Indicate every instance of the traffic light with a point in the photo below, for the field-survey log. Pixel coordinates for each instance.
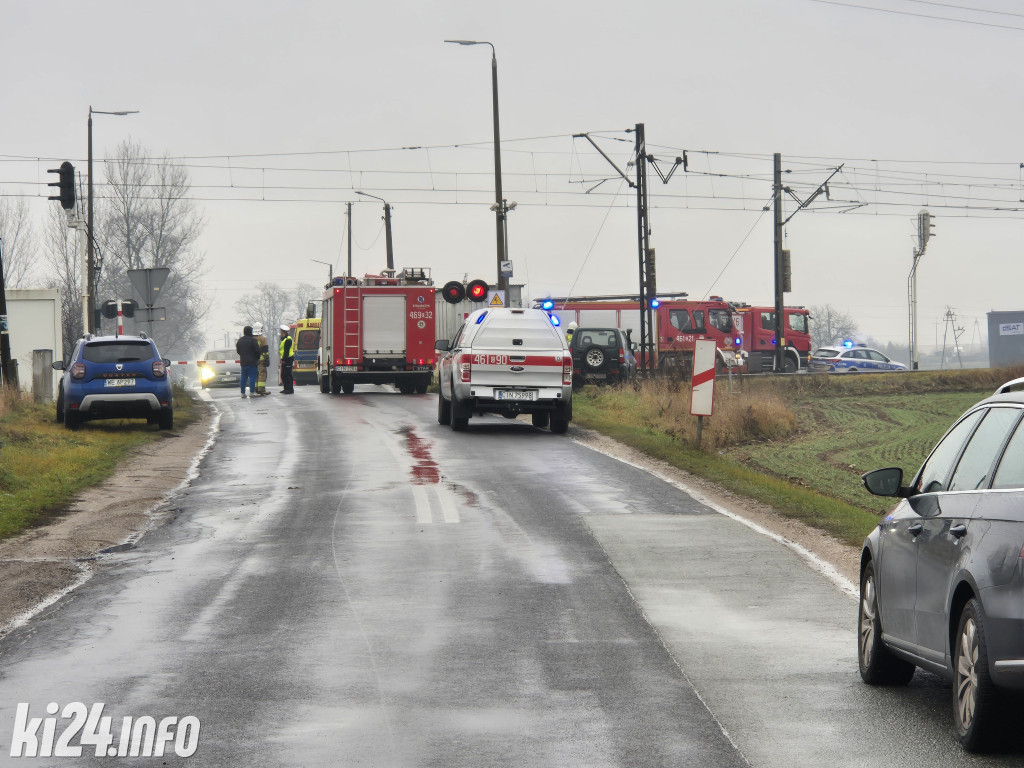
(477, 290)
(454, 292)
(66, 185)
(925, 228)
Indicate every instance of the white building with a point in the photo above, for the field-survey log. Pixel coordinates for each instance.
(33, 318)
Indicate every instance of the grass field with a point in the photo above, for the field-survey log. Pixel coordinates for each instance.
(798, 443)
(43, 465)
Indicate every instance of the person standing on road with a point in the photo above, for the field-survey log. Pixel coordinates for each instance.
(248, 357)
(285, 351)
(264, 363)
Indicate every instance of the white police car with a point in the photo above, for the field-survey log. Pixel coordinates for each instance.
(851, 359)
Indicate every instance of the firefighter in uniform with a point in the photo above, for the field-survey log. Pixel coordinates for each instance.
(285, 351)
(261, 370)
(569, 331)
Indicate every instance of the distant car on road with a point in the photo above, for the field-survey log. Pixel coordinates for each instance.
(220, 368)
(942, 576)
(602, 356)
(115, 377)
(856, 359)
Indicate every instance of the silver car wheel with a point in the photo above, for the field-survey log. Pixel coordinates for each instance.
(868, 611)
(967, 674)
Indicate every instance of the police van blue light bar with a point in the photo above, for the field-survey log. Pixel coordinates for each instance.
(555, 321)
(848, 344)
(655, 303)
(547, 305)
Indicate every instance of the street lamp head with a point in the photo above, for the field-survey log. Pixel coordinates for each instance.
(119, 112)
(474, 42)
(367, 194)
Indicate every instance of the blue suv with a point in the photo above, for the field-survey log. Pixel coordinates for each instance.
(115, 377)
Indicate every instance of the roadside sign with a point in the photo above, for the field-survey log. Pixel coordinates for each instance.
(496, 299)
(148, 282)
(702, 397)
(505, 269)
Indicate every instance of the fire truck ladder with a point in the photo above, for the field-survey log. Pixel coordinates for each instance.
(351, 298)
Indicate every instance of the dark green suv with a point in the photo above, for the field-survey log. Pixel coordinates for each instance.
(601, 356)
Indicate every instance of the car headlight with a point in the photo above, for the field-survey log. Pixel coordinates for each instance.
(206, 373)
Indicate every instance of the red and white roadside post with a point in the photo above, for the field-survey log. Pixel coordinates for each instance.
(120, 320)
(702, 392)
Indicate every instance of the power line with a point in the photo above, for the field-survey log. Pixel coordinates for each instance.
(922, 15)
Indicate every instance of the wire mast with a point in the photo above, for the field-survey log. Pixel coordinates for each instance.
(924, 233)
(648, 272)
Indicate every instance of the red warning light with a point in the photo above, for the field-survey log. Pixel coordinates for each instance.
(477, 290)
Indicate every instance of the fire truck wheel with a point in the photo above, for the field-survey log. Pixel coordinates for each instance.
(422, 385)
(348, 387)
(541, 419)
(444, 411)
(790, 365)
(325, 384)
(406, 387)
(594, 357)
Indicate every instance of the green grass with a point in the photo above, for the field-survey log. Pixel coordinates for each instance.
(845, 426)
(43, 466)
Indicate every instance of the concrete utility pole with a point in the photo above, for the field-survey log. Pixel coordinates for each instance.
(349, 214)
(6, 367)
(782, 260)
(780, 333)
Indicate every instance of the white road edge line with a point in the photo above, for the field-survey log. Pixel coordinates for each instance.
(826, 569)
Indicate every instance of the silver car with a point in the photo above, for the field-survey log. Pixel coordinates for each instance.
(942, 576)
(220, 368)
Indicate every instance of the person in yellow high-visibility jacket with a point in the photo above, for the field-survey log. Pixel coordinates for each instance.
(286, 353)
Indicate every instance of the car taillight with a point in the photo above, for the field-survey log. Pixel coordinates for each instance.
(622, 355)
(159, 369)
(567, 372)
(465, 368)
(78, 371)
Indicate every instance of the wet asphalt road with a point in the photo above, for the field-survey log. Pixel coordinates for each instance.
(349, 584)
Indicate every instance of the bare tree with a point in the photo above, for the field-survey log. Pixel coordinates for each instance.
(149, 221)
(270, 305)
(302, 295)
(830, 326)
(19, 242)
(65, 274)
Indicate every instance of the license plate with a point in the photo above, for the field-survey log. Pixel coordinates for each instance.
(119, 383)
(515, 394)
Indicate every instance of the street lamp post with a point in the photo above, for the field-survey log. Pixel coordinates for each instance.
(499, 208)
(90, 297)
(387, 228)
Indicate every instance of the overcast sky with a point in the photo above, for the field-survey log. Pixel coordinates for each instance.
(282, 110)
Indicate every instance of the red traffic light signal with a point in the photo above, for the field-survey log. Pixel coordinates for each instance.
(477, 290)
(453, 292)
(66, 185)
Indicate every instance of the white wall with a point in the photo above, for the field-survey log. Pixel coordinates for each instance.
(34, 321)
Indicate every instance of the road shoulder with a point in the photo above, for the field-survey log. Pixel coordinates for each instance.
(44, 563)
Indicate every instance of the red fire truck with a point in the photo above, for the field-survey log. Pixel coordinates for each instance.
(378, 329)
(759, 337)
(677, 324)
